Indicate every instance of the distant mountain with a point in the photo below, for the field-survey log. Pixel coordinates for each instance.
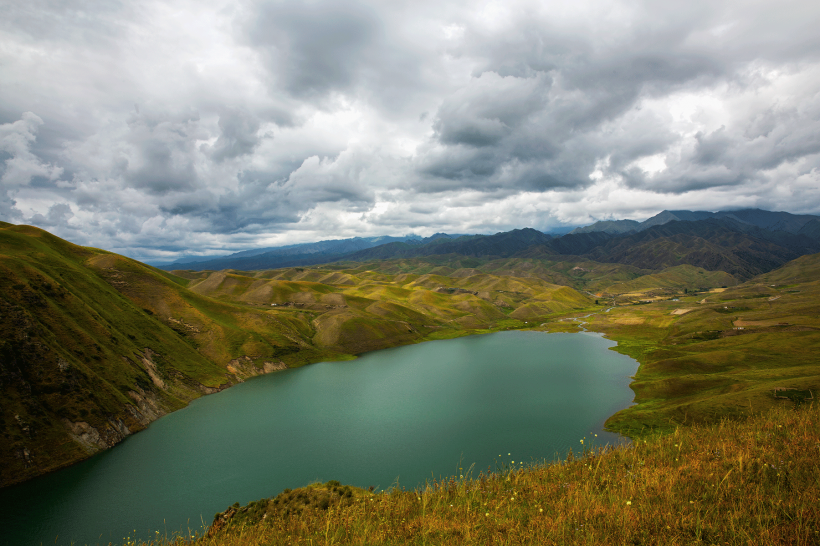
(742, 250)
(714, 242)
(608, 226)
(289, 255)
(743, 243)
(774, 221)
(500, 245)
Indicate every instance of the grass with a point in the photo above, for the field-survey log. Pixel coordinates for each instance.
(727, 353)
(752, 481)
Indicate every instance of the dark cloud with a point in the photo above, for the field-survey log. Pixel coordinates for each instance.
(163, 151)
(489, 109)
(238, 135)
(58, 216)
(313, 48)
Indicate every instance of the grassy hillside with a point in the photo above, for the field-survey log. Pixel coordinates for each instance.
(749, 482)
(669, 281)
(81, 365)
(721, 352)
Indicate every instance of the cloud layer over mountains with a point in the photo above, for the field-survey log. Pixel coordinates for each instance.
(151, 127)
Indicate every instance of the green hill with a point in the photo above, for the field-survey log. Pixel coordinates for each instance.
(81, 365)
(719, 353)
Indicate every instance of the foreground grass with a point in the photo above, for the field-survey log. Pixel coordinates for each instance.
(736, 482)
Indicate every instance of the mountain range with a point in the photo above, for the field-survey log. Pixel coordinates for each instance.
(743, 242)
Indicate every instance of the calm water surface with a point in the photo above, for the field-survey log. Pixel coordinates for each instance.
(407, 414)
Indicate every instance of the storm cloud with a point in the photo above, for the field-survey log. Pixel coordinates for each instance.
(169, 127)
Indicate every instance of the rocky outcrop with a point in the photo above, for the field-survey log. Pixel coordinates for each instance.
(94, 440)
(244, 367)
(274, 366)
(151, 368)
(148, 406)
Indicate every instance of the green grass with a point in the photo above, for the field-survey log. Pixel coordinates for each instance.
(698, 366)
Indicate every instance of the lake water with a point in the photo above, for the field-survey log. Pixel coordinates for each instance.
(405, 415)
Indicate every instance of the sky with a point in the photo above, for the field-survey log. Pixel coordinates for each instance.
(160, 128)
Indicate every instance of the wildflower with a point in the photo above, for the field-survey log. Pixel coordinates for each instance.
(629, 503)
(487, 514)
(540, 509)
(582, 441)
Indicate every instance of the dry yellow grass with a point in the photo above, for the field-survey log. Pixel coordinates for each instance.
(752, 482)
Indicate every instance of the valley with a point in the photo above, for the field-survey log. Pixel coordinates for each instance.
(95, 346)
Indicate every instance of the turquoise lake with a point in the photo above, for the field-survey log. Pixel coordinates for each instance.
(398, 416)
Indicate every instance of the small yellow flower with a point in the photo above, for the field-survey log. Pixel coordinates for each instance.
(629, 503)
